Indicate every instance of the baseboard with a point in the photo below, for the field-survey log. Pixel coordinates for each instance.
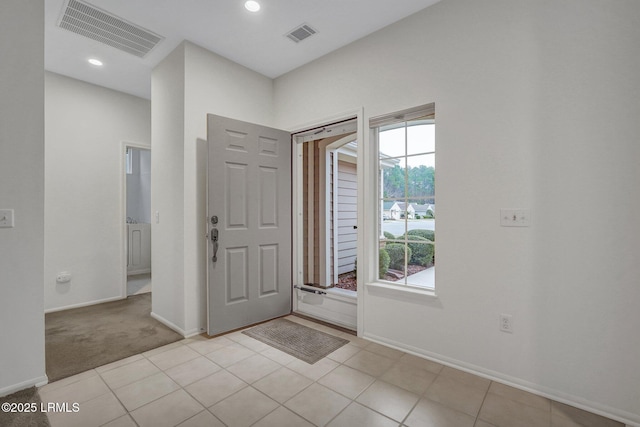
(37, 382)
(84, 304)
(606, 411)
(185, 333)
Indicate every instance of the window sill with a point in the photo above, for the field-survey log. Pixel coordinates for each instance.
(403, 293)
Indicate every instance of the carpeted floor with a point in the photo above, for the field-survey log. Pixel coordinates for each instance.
(30, 399)
(84, 338)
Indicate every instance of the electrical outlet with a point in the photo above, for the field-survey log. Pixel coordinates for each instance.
(506, 323)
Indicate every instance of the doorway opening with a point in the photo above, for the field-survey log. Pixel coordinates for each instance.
(137, 213)
(326, 222)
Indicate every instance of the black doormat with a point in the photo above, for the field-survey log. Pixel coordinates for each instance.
(297, 340)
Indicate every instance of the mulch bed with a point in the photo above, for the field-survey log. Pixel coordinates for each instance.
(348, 280)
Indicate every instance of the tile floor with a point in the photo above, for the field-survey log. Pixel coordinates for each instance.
(235, 380)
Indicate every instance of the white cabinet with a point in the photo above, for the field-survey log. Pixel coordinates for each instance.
(138, 248)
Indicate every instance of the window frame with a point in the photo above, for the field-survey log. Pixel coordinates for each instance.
(378, 285)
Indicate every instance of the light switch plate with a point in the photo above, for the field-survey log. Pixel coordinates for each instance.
(6, 218)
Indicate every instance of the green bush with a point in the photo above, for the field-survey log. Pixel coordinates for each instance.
(421, 253)
(427, 234)
(429, 215)
(418, 216)
(396, 255)
(383, 264)
(389, 236)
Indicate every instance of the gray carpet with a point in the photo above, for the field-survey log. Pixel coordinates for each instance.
(297, 340)
(24, 419)
(85, 338)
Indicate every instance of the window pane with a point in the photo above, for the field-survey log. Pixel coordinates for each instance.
(391, 142)
(421, 139)
(392, 181)
(396, 254)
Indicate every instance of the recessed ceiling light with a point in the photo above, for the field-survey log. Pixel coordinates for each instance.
(252, 6)
(96, 62)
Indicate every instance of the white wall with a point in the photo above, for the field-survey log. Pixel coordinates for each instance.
(22, 189)
(210, 84)
(167, 189)
(85, 126)
(139, 186)
(536, 106)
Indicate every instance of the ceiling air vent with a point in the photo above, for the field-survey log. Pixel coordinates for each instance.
(301, 33)
(89, 21)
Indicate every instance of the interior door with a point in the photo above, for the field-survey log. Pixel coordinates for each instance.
(249, 215)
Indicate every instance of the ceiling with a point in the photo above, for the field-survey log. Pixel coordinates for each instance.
(255, 40)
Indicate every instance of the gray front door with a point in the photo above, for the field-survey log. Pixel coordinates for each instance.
(249, 221)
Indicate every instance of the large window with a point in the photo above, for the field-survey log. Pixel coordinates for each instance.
(407, 208)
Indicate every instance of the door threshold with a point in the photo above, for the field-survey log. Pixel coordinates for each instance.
(323, 323)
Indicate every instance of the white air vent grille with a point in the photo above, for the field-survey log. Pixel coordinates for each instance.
(89, 21)
(300, 33)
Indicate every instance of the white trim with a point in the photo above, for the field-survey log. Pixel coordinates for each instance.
(402, 292)
(298, 137)
(363, 174)
(123, 208)
(176, 328)
(549, 393)
(37, 382)
(85, 304)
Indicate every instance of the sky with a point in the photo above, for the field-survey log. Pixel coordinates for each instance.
(420, 140)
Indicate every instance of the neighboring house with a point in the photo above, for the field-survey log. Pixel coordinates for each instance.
(408, 212)
(391, 210)
(423, 210)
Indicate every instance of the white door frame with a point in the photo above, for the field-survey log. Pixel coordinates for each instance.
(123, 211)
(311, 132)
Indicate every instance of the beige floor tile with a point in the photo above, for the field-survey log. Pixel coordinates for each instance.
(466, 378)
(94, 412)
(214, 388)
(79, 391)
(282, 417)
(389, 400)
(580, 417)
(432, 414)
(409, 377)
(422, 363)
(143, 391)
(192, 371)
(385, 351)
(174, 357)
(370, 363)
(255, 345)
(47, 388)
(347, 381)
(456, 395)
(358, 415)
(129, 373)
(317, 404)
(357, 341)
(243, 408)
(123, 421)
(203, 419)
(118, 363)
(503, 412)
(162, 349)
(282, 384)
(230, 354)
(237, 336)
(344, 353)
(316, 371)
(520, 396)
(207, 346)
(278, 356)
(169, 410)
(253, 368)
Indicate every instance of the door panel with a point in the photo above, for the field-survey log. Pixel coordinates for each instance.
(249, 190)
